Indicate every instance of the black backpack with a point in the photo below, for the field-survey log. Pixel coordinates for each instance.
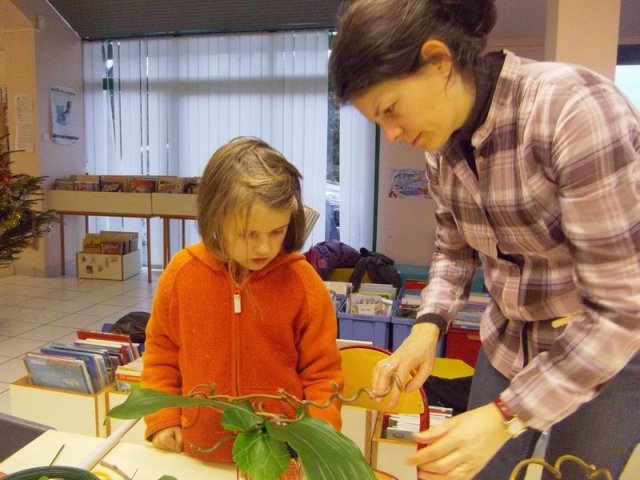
(379, 267)
(134, 324)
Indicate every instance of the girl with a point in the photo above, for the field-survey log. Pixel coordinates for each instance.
(241, 310)
(535, 171)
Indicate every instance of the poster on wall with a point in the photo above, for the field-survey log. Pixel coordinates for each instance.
(24, 123)
(408, 183)
(63, 112)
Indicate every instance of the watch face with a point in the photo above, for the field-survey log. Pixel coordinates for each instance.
(515, 427)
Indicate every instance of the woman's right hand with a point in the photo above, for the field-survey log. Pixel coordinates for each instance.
(416, 354)
(168, 439)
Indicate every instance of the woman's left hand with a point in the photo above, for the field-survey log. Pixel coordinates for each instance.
(460, 447)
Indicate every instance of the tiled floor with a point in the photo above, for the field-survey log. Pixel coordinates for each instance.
(35, 311)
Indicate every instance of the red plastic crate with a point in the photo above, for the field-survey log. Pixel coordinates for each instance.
(463, 343)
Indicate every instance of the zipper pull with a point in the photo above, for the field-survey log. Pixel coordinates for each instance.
(237, 304)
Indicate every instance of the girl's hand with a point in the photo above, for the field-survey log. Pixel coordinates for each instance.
(460, 447)
(416, 354)
(168, 439)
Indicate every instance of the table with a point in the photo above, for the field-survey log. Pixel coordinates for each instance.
(174, 206)
(101, 204)
(149, 462)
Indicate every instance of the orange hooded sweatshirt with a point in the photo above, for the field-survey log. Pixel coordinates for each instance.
(283, 336)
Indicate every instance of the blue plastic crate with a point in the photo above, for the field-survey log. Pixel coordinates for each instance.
(400, 329)
(401, 326)
(368, 328)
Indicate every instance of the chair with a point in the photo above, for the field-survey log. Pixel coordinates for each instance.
(21, 433)
(358, 362)
(380, 475)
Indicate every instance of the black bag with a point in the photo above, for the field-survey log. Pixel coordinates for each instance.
(448, 392)
(379, 267)
(133, 324)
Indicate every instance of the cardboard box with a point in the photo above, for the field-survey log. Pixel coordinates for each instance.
(108, 267)
(64, 410)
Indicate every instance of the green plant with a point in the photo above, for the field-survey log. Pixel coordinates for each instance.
(262, 439)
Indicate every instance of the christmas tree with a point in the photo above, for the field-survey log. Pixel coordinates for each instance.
(20, 224)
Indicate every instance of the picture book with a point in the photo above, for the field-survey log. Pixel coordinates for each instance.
(99, 379)
(103, 352)
(170, 184)
(91, 243)
(143, 184)
(108, 339)
(58, 371)
(87, 183)
(121, 338)
(114, 183)
(191, 185)
(117, 355)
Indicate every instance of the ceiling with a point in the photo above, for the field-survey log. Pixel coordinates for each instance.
(100, 19)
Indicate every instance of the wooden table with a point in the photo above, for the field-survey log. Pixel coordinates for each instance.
(147, 462)
(101, 204)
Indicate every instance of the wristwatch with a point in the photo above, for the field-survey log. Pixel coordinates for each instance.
(512, 423)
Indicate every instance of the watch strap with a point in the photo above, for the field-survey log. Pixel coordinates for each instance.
(506, 412)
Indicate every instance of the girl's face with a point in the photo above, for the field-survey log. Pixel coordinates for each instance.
(422, 110)
(254, 243)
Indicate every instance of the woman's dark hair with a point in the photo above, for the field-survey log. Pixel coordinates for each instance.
(379, 40)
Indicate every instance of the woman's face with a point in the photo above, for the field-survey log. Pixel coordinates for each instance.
(421, 110)
(253, 243)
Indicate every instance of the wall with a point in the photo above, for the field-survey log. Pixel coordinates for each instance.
(35, 59)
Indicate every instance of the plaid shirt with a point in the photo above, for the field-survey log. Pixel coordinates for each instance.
(554, 218)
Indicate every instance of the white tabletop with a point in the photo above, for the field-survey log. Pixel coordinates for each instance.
(149, 462)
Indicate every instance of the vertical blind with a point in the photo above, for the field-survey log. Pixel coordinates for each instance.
(162, 106)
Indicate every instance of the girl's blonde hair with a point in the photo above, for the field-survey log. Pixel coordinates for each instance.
(238, 174)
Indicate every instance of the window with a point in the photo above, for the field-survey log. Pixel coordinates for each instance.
(628, 72)
(162, 106)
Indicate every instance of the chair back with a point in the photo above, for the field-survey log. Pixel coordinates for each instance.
(358, 363)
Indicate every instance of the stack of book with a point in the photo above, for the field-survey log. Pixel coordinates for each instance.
(437, 415)
(128, 376)
(87, 365)
(408, 304)
(399, 426)
(469, 316)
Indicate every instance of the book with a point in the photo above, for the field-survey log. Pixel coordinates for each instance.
(121, 339)
(117, 356)
(143, 184)
(58, 371)
(114, 183)
(112, 247)
(97, 370)
(104, 354)
(170, 184)
(91, 243)
(191, 185)
(63, 184)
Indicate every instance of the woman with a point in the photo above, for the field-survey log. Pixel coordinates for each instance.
(535, 171)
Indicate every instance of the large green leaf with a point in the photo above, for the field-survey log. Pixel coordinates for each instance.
(260, 456)
(144, 401)
(325, 453)
(241, 417)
